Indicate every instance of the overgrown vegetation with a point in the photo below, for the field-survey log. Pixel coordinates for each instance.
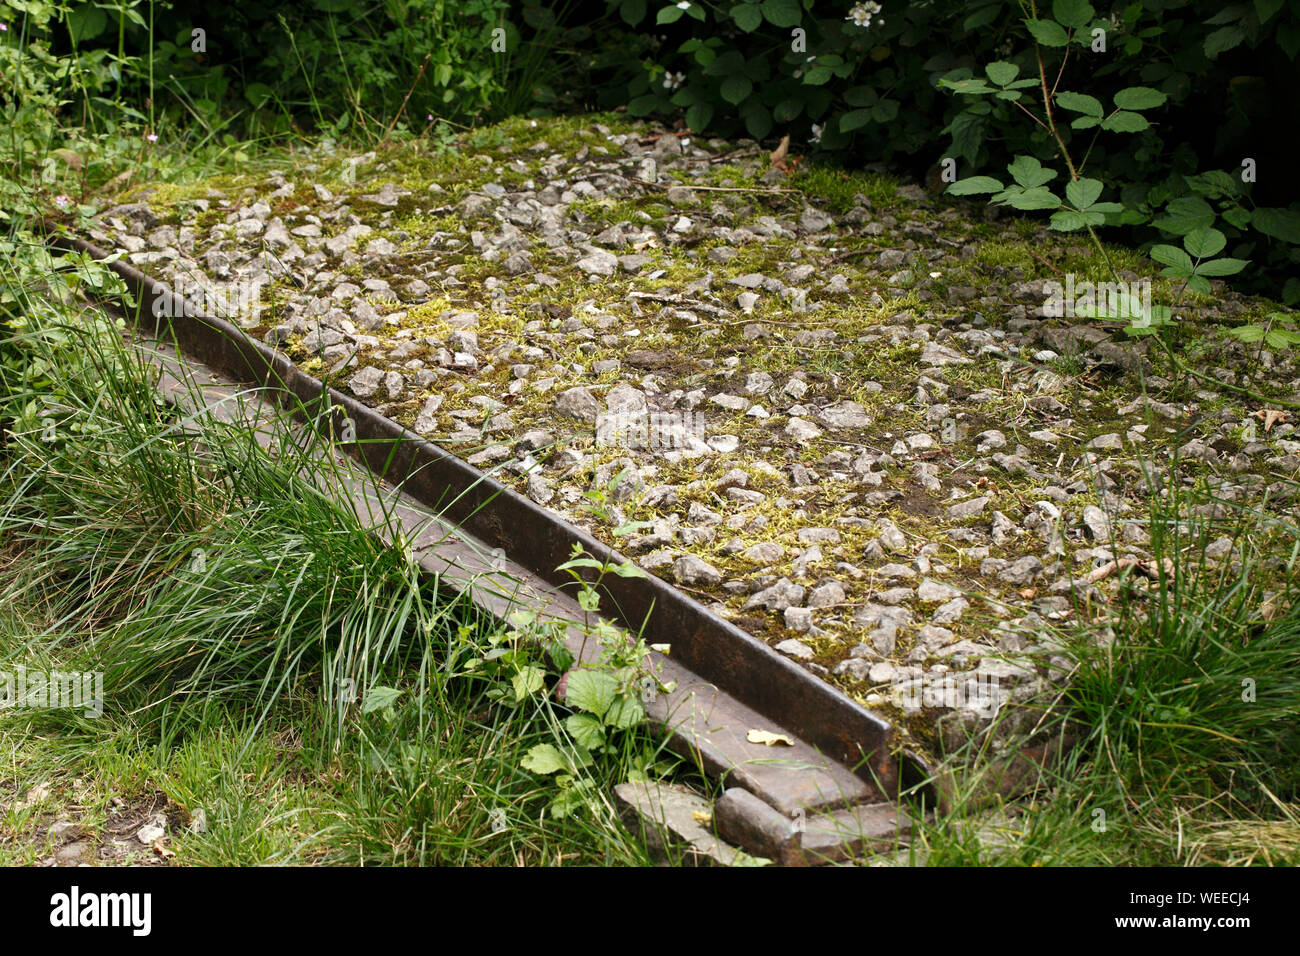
(298, 693)
(1175, 738)
(227, 594)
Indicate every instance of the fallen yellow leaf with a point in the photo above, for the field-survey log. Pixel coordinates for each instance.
(767, 738)
(702, 816)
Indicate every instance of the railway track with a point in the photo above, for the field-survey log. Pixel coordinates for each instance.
(831, 795)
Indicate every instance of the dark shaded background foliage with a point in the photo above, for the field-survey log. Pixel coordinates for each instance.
(856, 94)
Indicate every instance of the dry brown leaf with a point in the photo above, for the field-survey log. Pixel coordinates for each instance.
(162, 851)
(768, 739)
(1271, 416)
(777, 158)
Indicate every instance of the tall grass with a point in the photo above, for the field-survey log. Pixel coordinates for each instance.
(1176, 737)
(227, 593)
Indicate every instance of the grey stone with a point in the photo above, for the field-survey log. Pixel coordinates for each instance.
(689, 569)
(968, 509)
(826, 595)
(366, 381)
(578, 403)
(1096, 524)
(781, 595)
(790, 646)
(765, 552)
(1021, 572)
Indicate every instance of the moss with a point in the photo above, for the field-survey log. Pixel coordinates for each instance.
(837, 188)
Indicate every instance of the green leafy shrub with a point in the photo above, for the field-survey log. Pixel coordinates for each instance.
(1130, 89)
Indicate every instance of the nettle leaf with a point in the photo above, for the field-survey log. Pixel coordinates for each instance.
(1237, 216)
(632, 11)
(782, 13)
(527, 682)
(1185, 214)
(1266, 9)
(1139, 98)
(1002, 72)
(1281, 224)
(733, 61)
(788, 109)
(1029, 172)
(1082, 193)
(1214, 184)
(591, 691)
(981, 18)
(1038, 197)
(1073, 13)
(1221, 267)
(670, 14)
(973, 185)
(698, 116)
(544, 758)
(625, 712)
(1204, 242)
(644, 105)
(736, 88)
(586, 731)
(1047, 32)
(1081, 103)
(861, 96)
(1248, 333)
(379, 698)
(758, 119)
(854, 119)
(748, 16)
(1070, 220)
(1281, 338)
(967, 86)
(1123, 122)
(1223, 39)
(1173, 257)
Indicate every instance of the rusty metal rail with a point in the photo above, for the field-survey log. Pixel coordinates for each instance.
(845, 763)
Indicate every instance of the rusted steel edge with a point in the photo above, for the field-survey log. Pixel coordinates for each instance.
(714, 649)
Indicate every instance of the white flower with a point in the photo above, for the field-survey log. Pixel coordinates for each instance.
(684, 5)
(862, 13)
(673, 80)
(816, 136)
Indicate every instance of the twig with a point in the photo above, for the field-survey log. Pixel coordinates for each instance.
(713, 189)
(840, 256)
(406, 99)
(1045, 262)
